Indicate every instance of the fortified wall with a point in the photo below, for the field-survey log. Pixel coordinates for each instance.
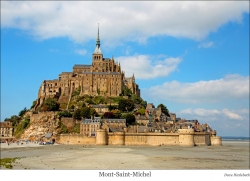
(185, 137)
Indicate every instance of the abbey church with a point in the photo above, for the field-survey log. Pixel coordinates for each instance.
(103, 77)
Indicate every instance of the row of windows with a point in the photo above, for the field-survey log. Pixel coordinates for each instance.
(97, 57)
(50, 85)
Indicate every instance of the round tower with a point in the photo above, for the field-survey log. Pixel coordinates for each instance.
(186, 137)
(216, 141)
(101, 137)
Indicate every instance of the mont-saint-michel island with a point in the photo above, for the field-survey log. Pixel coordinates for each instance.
(98, 104)
(140, 89)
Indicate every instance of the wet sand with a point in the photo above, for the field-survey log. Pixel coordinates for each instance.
(232, 155)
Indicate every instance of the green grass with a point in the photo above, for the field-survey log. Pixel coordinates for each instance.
(7, 162)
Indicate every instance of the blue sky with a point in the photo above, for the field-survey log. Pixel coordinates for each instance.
(191, 56)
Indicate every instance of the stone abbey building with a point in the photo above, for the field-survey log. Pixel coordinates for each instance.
(103, 77)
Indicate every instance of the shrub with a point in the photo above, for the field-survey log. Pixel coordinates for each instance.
(64, 114)
(22, 112)
(108, 115)
(64, 129)
(126, 105)
(19, 129)
(50, 104)
(76, 128)
(77, 114)
(76, 92)
(130, 119)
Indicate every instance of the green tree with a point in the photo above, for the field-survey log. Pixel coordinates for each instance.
(164, 109)
(81, 104)
(77, 114)
(93, 112)
(144, 103)
(22, 112)
(90, 101)
(85, 112)
(14, 119)
(126, 91)
(64, 114)
(141, 111)
(136, 99)
(130, 119)
(126, 105)
(51, 104)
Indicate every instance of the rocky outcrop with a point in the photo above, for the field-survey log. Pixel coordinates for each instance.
(40, 124)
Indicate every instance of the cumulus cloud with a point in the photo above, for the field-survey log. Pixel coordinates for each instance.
(206, 113)
(81, 51)
(206, 45)
(231, 87)
(227, 122)
(130, 21)
(148, 67)
(231, 115)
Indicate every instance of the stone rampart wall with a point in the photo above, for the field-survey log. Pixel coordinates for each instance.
(153, 139)
(68, 122)
(185, 138)
(116, 138)
(202, 139)
(75, 139)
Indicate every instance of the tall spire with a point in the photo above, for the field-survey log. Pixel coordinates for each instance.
(98, 38)
(98, 45)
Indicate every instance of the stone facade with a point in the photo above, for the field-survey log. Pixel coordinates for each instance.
(89, 127)
(6, 129)
(100, 109)
(103, 77)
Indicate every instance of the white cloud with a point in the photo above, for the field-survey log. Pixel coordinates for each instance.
(147, 67)
(81, 52)
(206, 45)
(231, 87)
(232, 115)
(130, 21)
(226, 122)
(205, 113)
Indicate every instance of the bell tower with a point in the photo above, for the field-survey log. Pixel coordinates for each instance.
(97, 55)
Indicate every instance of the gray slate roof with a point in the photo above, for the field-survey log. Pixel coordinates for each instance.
(96, 120)
(99, 106)
(115, 120)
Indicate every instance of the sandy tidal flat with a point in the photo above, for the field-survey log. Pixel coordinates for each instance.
(232, 155)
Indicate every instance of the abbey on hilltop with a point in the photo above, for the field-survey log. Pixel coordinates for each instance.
(103, 77)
